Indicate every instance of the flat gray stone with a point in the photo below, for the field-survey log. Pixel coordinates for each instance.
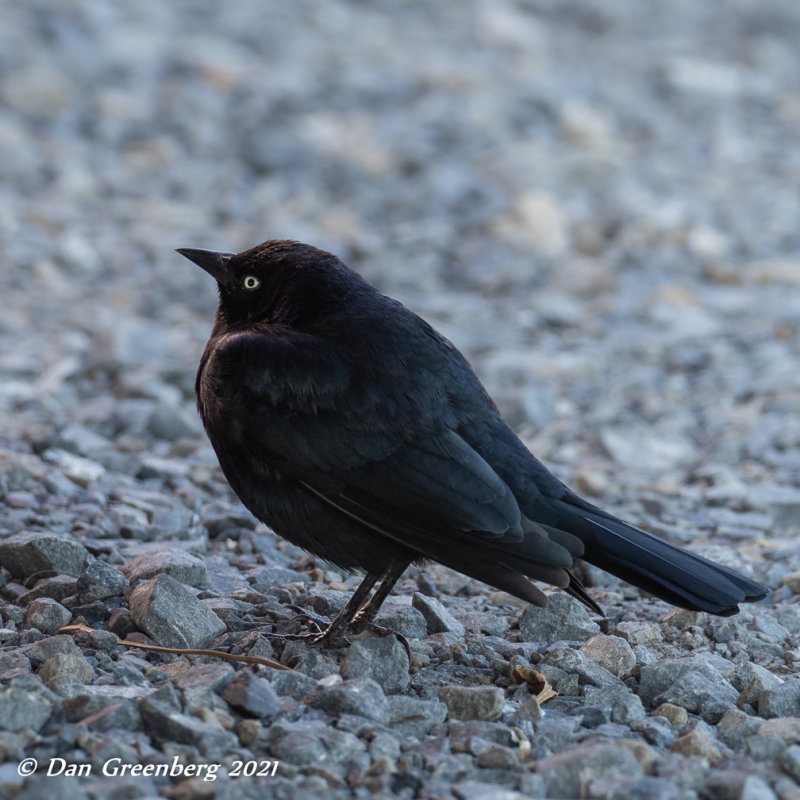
(473, 702)
(172, 616)
(100, 580)
(47, 615)
(178, 564)
(567, 774)
(564, 618)
(29, 552)
(26, 703)
(437, 618)
(252, 695)
(360, 696)
(382, 658)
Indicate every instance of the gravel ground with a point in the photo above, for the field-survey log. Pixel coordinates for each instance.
(598, 202)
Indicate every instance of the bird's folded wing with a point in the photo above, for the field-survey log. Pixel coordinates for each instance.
(307, 417)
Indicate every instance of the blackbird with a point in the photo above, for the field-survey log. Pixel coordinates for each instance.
(354, 430)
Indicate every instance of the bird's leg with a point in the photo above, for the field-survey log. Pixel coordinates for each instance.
(365, 617)
(335, 632)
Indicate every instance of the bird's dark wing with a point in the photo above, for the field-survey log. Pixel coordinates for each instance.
(406, 477)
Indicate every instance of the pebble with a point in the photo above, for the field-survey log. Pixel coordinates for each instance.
(473, 702)
(563, 618)
(381, 658)
(47, 615)
(437, 618)
(29, 552)
(169, 613)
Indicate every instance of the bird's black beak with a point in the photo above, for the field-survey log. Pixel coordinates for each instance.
(213, 262)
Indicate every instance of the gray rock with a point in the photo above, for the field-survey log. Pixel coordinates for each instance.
(178, 564)
(635, 789)
(567, 774)
(30, 552)
(169, 613)
(13, 664)
(252, 695)
(610, 652)
(473, 702)
(123, 715)
(47, 615)
(44, 787)
(780, 701)
(660, 676)
(790, 761)
(403, 618)
(437, 618)
(164, 722)
(615, 704)
(360, 696)
(564, 618)
(40, 651)
(100, 580)
(410, 717)
(382, 658)
(25, 703)
(215, 675)
(57, 587)
(270, 577)
(61, 665)
(700, 694)
(744, 674)
(305, 743)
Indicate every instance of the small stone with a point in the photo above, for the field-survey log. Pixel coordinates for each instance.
(403, 618)
(567, 774)
(790, 761)
(529, 709)
(169, 613)
(792, 581)
(473, 702)
(178, 564)
(164, 722)
(658, 677)
(698, 742)
(786, 728)
(382, 658)
(248, 731)
(414, 718)
(47, 615)
(675, 714)
(437, 618)
(29, 552)
(26, 703)
(564, 618)
(252, 695)
(699, 694)
(642, 634)
(215, 675)
(780, 701)
(360, 696)
(610, 652)
(100, 580)
(61, 664)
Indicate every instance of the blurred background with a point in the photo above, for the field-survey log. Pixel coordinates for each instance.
(598, 202)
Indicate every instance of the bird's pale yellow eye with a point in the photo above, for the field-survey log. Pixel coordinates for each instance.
(250, 282)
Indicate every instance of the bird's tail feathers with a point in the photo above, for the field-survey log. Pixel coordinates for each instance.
(661, 568)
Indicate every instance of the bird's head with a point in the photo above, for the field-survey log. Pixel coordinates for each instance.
(276, 281)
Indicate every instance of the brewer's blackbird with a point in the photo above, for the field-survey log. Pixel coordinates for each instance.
(356, 431)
